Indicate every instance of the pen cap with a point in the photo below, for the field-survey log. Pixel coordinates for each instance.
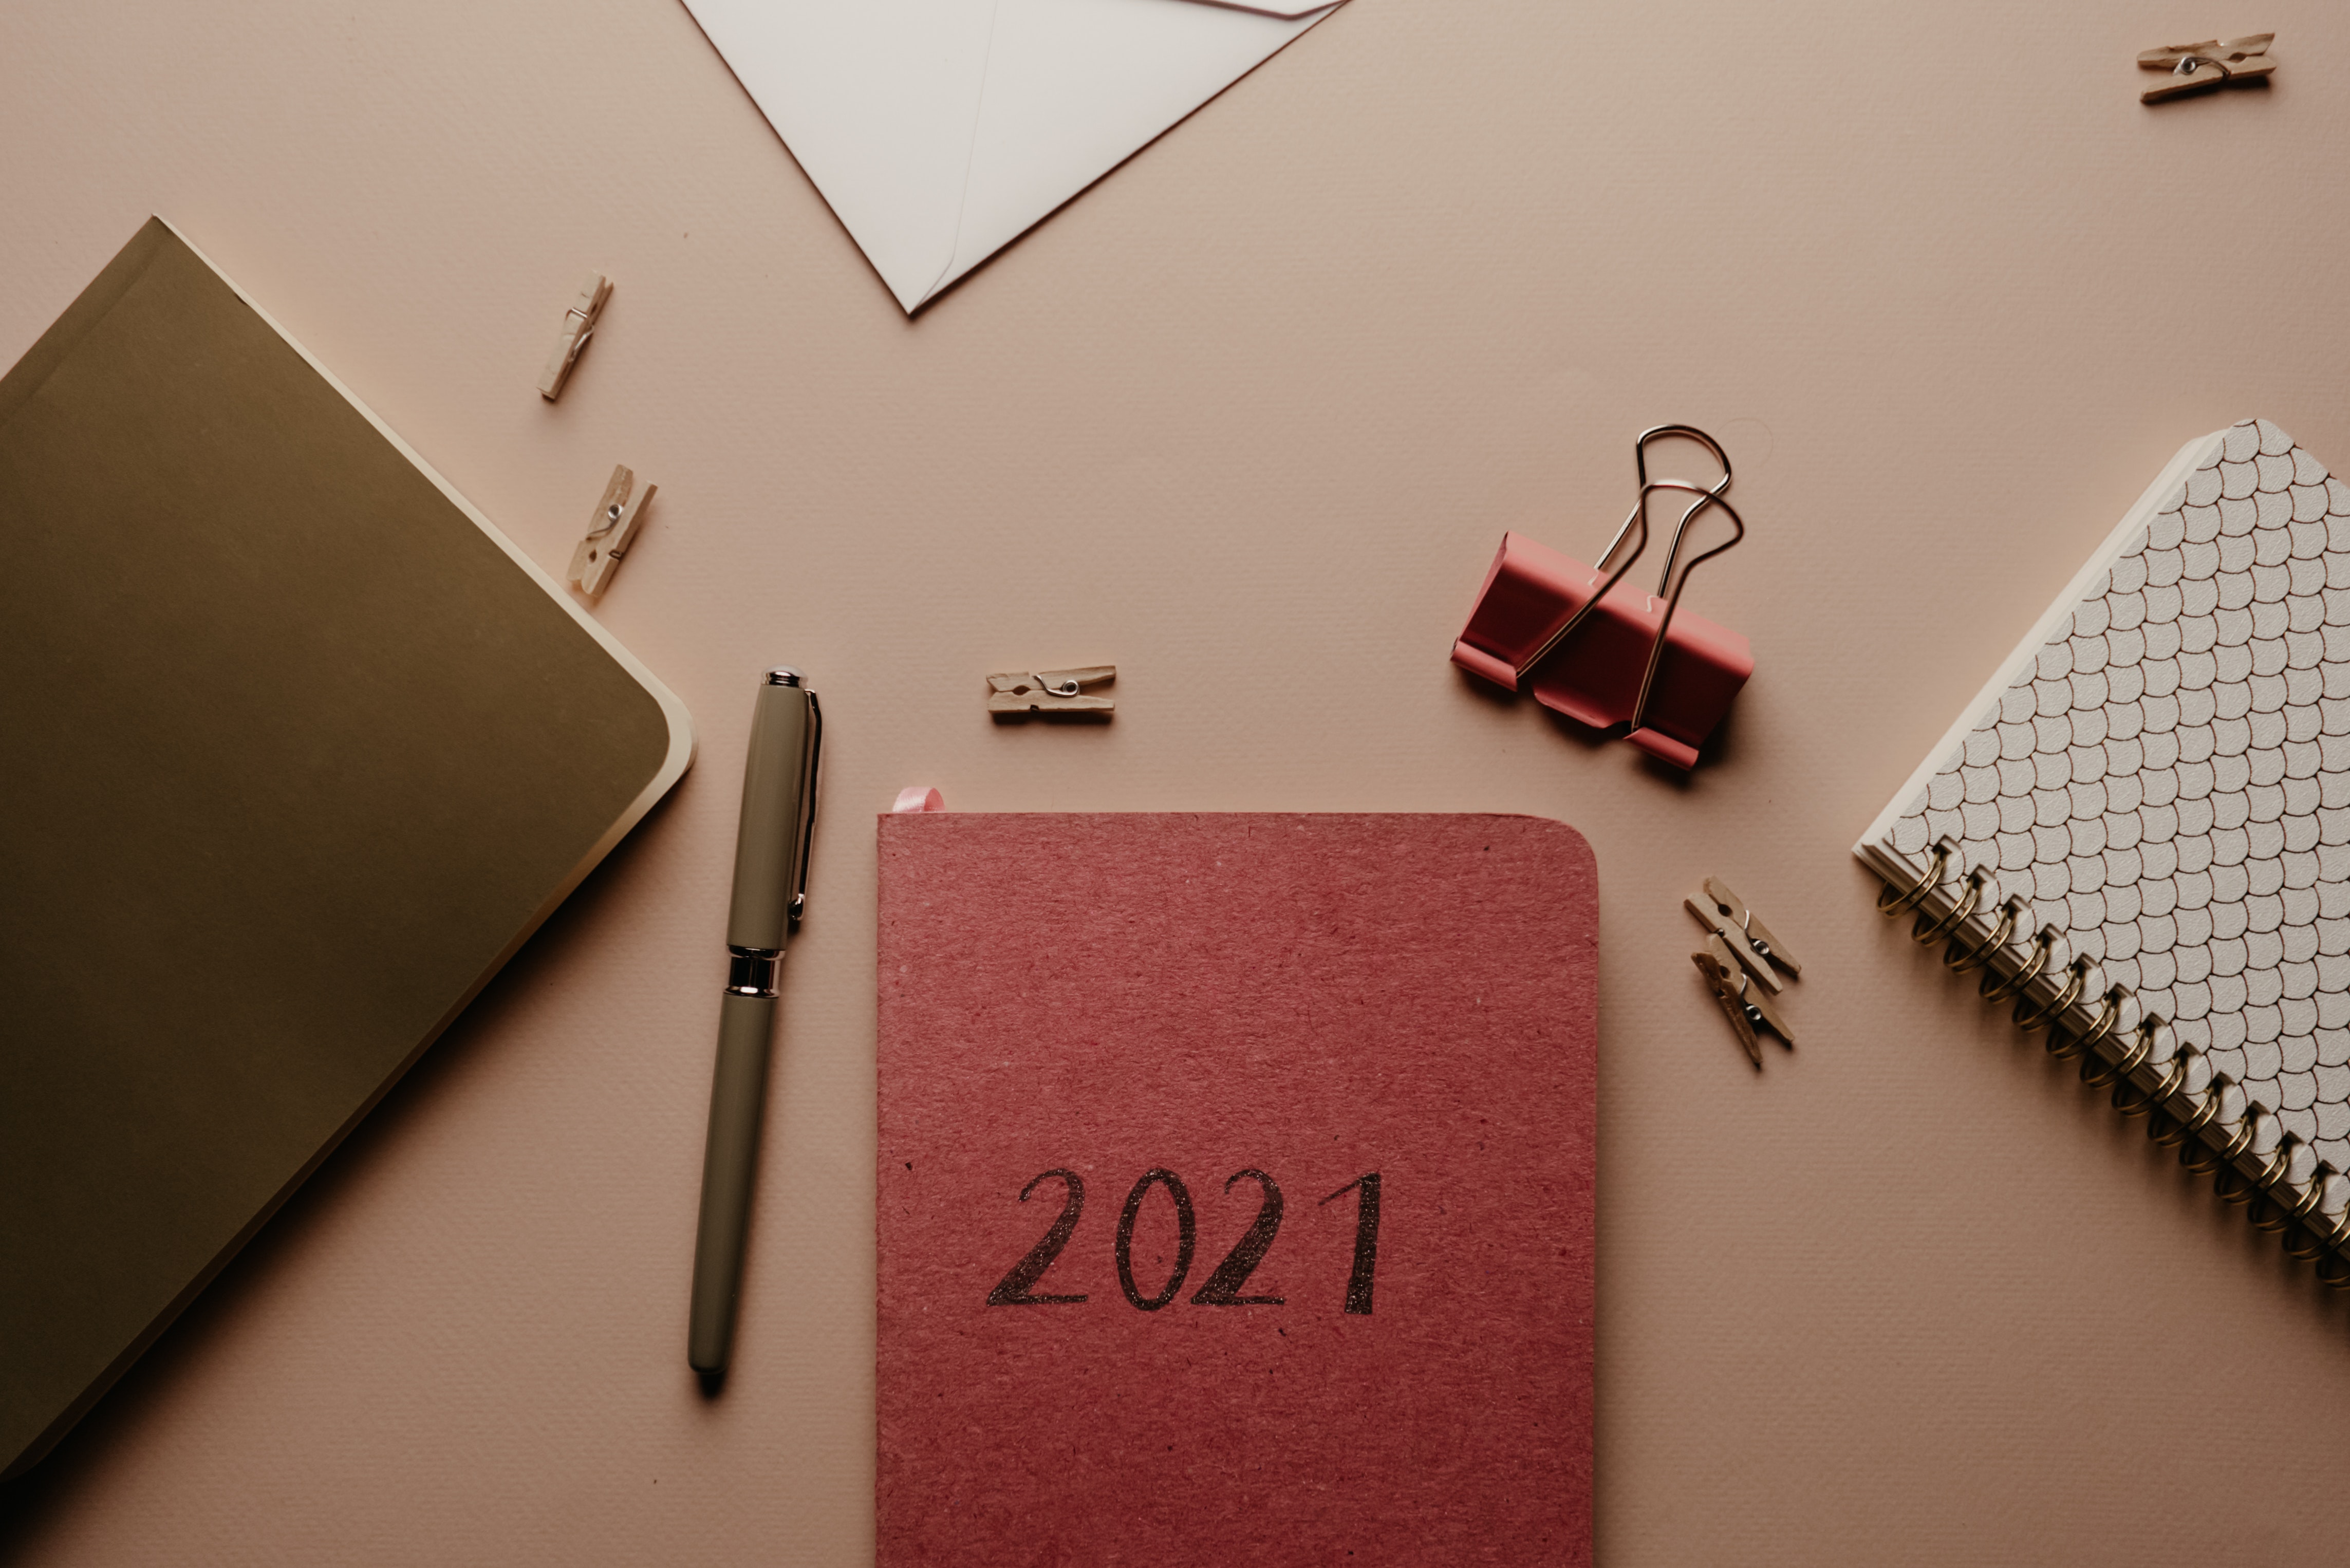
(778, 783)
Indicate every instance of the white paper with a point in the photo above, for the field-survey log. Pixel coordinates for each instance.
(940, 131)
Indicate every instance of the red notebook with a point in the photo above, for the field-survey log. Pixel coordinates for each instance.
(1235, 1190)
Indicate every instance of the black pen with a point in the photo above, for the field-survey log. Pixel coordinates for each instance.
(771, 859)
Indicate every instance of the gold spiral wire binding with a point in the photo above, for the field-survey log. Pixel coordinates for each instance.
(2311, 1241)
(2215, 1094)
(2274, 1214)
(1963, 958)
(1926, 935)
(1995, 991)
(2300, 1216)
(2299, 1213)
(2036, 1021)
(2321, 1243)
(2098, 1075)
(2236, 1187)
(2064, 1047)
(2197, 1157)
(1891, 906)
(2133, 1101)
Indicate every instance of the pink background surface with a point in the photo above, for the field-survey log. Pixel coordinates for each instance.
(1312, 997)
(1247, 421)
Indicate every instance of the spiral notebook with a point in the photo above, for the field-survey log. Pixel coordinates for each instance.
(2139, 834)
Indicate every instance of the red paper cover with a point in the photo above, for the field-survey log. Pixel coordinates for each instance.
(1316, 998)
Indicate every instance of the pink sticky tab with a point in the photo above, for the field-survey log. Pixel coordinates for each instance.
(917, 797)
(1234, 1195)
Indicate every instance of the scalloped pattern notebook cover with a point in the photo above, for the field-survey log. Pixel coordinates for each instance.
(2161, 773)
(1235, 1189)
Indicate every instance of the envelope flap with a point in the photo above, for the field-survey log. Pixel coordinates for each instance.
(1272, 7)
(940, 129)
(878, 101)
(1075, 87)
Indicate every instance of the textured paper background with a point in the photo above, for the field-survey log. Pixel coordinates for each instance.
(1313, 997)
(1248, 420)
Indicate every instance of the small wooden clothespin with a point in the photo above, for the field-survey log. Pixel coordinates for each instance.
(578, 326)
(1747, 1008)
(1724, 913)
(598, 554)
(2196, 67)
(1049, 691)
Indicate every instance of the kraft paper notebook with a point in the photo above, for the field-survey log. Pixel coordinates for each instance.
(299, 750)
(2140, 831)
(1235, 1189)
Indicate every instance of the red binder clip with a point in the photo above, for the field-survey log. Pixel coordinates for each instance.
(1546, 623)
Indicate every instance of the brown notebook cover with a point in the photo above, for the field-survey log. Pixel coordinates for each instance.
(299, 750)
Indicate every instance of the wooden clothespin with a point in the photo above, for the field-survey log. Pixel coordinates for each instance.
(1723, 911)
(598, 554)
(1747, 1008)
(1049, 691)
(2195, 68)
(1725, 914)
(578, 326)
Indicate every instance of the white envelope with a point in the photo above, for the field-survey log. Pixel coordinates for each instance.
(940, 131)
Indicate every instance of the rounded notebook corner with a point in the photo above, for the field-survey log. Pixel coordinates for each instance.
(684, 740)
(1569, 838)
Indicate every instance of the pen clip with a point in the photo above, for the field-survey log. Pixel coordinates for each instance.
(807, 810)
